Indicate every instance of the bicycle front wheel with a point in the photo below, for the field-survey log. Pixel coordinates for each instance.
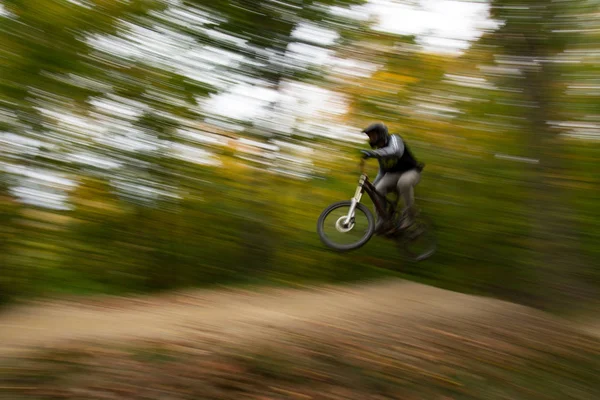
(342, 235)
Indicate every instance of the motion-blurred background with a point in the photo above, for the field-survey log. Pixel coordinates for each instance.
(149, 145)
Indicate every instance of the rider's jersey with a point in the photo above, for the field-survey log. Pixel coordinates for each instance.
(395, 156)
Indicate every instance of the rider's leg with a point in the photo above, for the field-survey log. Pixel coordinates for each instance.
(406, 184)
(387, 183)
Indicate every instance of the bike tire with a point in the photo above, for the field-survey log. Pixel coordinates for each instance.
(345, 247)
(427, 235)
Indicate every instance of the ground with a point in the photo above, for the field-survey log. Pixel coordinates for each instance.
(391, 339)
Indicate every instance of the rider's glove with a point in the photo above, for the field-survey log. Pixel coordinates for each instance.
(367, 154)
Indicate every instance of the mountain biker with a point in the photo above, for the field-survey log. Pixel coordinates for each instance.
(399, 171)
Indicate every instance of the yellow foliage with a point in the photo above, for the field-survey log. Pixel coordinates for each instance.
(45, 216)
(394, 78)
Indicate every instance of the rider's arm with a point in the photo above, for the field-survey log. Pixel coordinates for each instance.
(395, 148)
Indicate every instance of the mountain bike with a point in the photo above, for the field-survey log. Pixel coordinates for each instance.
(353, 221)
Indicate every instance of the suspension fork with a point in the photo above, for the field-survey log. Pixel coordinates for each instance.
(356, 199)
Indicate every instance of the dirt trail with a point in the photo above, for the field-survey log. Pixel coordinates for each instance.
(236, 315)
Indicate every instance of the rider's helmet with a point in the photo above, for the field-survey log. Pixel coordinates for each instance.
(378, 135)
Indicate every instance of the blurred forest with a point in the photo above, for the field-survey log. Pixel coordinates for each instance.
(119, 174)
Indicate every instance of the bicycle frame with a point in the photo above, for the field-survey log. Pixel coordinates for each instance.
(364, 185)
(416, 238)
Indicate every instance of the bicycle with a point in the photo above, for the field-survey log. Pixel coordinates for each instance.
(410, 239)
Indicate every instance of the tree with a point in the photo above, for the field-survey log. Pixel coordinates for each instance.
(531, 39)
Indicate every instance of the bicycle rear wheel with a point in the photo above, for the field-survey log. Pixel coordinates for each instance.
(339, 235)
(419, 242)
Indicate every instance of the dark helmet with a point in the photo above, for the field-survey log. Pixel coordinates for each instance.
(378, 134)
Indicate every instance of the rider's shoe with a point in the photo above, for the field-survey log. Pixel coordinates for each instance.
(408, 218)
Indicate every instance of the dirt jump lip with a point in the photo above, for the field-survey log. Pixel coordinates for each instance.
(237, 315)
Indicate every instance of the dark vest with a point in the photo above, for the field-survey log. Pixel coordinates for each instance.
(400, 164)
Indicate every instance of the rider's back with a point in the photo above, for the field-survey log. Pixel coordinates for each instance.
(401, 160)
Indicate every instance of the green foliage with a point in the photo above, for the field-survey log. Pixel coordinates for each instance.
(155, 219)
